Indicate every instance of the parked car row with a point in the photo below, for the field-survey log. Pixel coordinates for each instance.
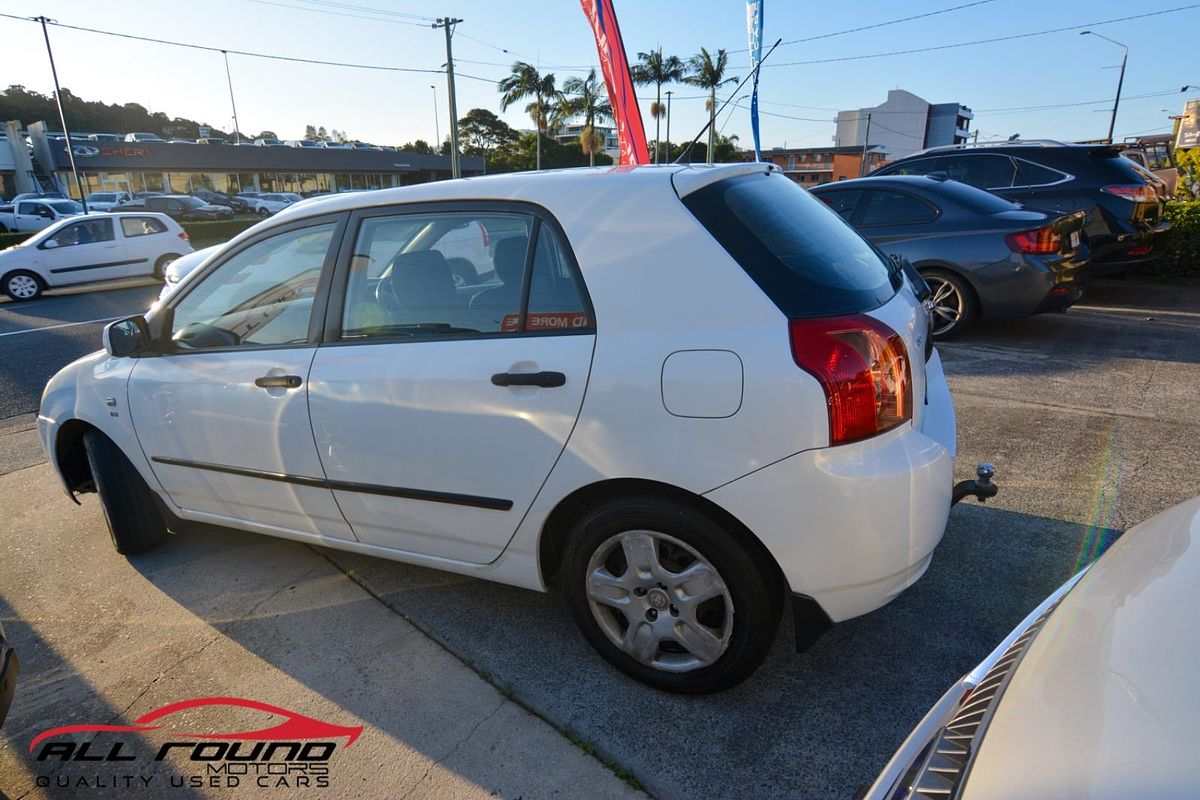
(1006, 230)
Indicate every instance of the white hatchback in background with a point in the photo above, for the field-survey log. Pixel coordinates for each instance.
(95, 247)
(107, 201)
(274, 202)
(688, 401)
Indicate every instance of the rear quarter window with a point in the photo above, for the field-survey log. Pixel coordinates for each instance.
(803, 256)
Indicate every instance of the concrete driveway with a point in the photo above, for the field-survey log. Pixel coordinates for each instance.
(1088, 417)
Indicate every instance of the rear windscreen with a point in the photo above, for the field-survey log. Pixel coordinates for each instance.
(973, 199)
(801, 254)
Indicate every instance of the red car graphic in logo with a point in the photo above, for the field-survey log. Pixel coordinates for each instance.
(295, 727)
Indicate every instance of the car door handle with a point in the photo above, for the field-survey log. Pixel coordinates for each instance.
(278, 382)
(545, 379)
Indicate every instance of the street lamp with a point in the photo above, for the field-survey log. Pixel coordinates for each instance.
(668, 93)
(437, 126)
(1112, 123)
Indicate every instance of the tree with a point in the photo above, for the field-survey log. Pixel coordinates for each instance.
(521, 155)
(652, 68)
(480, 132)
(266, 135)
(708, 72)
(418, 146)
(587, 98)
(524, 83)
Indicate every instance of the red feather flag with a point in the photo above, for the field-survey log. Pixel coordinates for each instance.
(630, 134)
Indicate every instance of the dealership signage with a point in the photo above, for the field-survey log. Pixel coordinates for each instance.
(1189, 126)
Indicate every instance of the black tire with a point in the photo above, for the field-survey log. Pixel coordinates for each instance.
(264, 213)
(130, 507)
(21, 285)
(961, 297)
(160, 266)
(757, 610)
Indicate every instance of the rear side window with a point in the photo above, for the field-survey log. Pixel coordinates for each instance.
(807, 260)
(918, 166)
(882, 207)
(1031, 174)
(141, 226)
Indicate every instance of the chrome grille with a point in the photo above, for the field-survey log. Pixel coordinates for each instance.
(949, 755)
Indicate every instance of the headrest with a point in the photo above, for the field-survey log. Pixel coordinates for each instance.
(510, 259)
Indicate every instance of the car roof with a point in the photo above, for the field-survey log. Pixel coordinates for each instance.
(552, 189)
(911, 181)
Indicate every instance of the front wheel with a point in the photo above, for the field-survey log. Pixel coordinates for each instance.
(22, 285)
(953, 307)
(264, 213)
(668, 595)
(130, 507)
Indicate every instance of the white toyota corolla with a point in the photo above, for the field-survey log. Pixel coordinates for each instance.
(683, 395)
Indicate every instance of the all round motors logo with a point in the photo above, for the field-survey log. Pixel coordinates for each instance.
(291, 751)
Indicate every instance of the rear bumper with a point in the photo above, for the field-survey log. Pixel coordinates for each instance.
(853, 526)
(10, 667)
(1135, 247)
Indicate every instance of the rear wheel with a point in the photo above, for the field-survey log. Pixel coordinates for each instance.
(264, 213)
(130, 507)
(954, 307)
(22, 285)
(668, 596)
(160, 266)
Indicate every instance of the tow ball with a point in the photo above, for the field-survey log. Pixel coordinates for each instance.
(981, 488)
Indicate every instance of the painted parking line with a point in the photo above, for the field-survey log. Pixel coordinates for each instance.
(61, 325)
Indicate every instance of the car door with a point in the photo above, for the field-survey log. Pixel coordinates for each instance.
(146, 240)
(32, 216)
(222, 414)
(87, 250)
(888, 217)
(439, 410)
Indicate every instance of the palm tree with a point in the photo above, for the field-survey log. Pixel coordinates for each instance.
(526, 82)
(653, 68)
(587, 98)
(709, 73)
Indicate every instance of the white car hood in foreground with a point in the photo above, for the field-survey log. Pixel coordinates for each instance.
(1105, 703)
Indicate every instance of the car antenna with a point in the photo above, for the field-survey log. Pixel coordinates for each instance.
(732, 95)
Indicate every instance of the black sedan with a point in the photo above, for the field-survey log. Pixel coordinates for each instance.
(981, 255)
(180, 207)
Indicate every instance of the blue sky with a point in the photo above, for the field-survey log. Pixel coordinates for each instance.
(1055, 70)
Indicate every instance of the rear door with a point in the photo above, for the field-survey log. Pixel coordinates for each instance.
(439, 410)
(146, 240)
(885, 216)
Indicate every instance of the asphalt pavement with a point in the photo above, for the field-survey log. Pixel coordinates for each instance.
(1088, 417)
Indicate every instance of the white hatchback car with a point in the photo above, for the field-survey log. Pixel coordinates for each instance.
(687, 395)
(274, 202)
(94, 247)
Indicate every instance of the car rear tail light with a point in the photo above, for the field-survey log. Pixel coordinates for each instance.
(1042, 241)
(1140, 250)
(183, 235)
(1135, 193)
(863, 367)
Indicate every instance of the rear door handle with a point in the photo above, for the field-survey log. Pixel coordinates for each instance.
(278, 382)
(545, 379)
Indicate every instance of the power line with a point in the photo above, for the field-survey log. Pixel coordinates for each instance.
(877, 24)
(247, 53)
(986, 41)
(340, 13)
(370, 9)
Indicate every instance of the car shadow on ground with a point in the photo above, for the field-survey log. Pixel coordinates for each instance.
(819, 724)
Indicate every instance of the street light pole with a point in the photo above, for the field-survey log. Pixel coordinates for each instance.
(448, 23)
(62, 116)
(668, 93)
(437, 125)
(862, 170)
(237, 129)
(1112, 122)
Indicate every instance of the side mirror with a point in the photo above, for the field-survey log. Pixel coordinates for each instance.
(50, 244)
(126, 337)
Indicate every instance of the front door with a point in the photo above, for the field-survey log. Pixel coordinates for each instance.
(439, 409)
(87, 250)
(223, 415)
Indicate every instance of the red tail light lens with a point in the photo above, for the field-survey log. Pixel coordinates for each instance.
(1042, 241)
(863, 367)
(1140, 250)
(1135, 193)
(183, 235)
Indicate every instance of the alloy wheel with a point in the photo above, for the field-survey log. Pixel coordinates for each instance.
(22, 287)
(659, 601)
(946, 302)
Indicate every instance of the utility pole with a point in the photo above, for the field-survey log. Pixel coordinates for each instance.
(1112, 122)
(62, 116)
(237, 129)
(866, 143)
(448, 23)
(668, 93)
(437, 125)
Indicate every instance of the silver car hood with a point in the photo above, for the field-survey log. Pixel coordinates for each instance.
(1105, 703)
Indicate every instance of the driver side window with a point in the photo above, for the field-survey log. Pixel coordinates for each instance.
(261, 296)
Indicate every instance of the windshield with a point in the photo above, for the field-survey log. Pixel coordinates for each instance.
(101, 198)
(192, 202)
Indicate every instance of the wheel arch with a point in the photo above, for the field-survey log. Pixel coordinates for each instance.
(561, 520)
(71, 458)
(958, 272)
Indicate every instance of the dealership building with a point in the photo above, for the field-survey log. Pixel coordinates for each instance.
(182, 167)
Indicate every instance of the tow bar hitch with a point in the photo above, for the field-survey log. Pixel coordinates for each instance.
(981, 488)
